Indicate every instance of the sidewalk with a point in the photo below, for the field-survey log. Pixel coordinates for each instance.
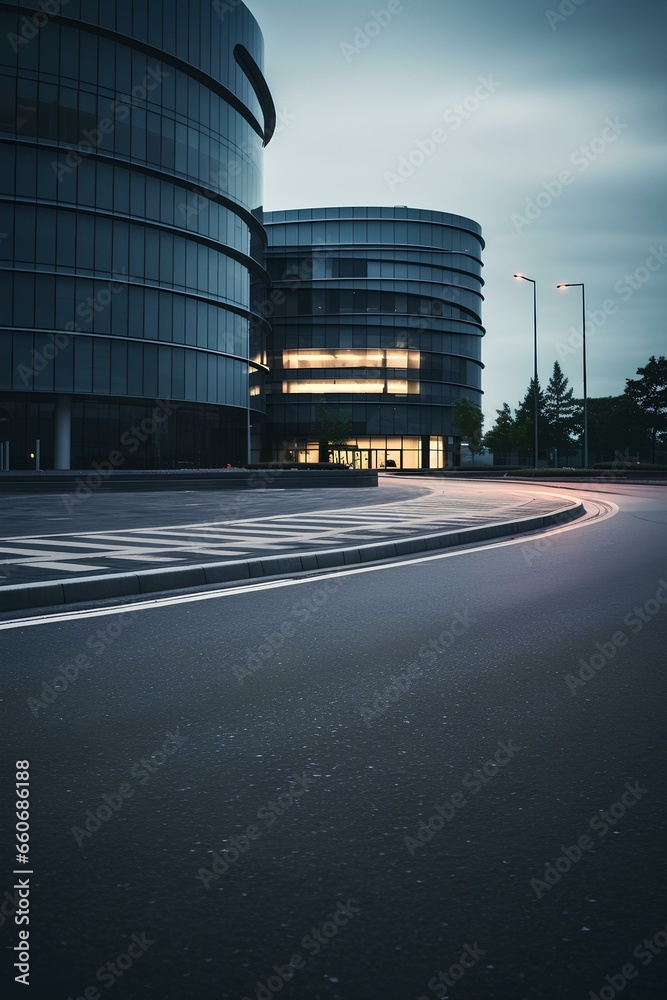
(160, 544)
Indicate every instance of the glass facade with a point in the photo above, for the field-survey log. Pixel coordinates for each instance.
(377, 319)
(132, 249)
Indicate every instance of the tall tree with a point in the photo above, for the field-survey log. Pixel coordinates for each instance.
(524, 421)
(332, 433)
(469, 419)
(650, 394)
(501, 439)
(616, 427)
(561, 414)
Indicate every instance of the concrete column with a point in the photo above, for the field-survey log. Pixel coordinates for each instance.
(62, 433)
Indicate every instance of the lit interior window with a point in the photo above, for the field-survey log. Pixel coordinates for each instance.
(351, 358)
(398, 387)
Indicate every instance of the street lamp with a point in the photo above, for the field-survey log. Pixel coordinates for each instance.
(580, 284)
(248, 445)
(535, 391)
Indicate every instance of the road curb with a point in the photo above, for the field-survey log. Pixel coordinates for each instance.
(31, 596)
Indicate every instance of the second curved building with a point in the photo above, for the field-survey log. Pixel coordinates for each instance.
(376, 316)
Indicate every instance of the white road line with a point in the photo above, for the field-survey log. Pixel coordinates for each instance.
(228, 540)
(140, 557)
(442, 503)
(64, 567)
(165, 602)
(122, 538)
(84, 545)
(272, 534)
(27, 553)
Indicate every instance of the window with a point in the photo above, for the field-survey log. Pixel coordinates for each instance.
(396, 387)
(350, 358)
(352, 268)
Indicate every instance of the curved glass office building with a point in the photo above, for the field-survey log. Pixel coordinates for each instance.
(131, 246)
(377, 321)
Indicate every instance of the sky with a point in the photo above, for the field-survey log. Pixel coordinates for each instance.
(552, 135)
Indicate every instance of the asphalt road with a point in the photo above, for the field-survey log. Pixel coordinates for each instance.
(38, 513)
(276, 744)
(161, 530)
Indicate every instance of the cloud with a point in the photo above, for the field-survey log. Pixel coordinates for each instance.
(559, 88)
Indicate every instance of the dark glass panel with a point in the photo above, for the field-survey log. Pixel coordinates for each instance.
(119, 367)
(83, 364)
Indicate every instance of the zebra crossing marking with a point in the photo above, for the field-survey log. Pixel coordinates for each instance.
(65, 551)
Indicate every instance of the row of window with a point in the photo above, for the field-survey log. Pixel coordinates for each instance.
(120, 368)
(425, 392)
(378, 452)
(28, 172)
(191, 436)
(297, 272)
(449, 302)
(308, 261)
(143, 137)
(382, 295)
(430, 367)
(378, 335)
(309, 359)
(60, 52)
(359, 232)
(298, 419)
(62, 303)
(91, 245)
(197, 32)
(396, 213)
(346, 386)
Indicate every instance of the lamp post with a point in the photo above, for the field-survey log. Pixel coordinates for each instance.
(535, 391)
(248, 446)
(580, 284)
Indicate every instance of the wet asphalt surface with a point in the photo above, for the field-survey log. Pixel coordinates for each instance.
(389, 760)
